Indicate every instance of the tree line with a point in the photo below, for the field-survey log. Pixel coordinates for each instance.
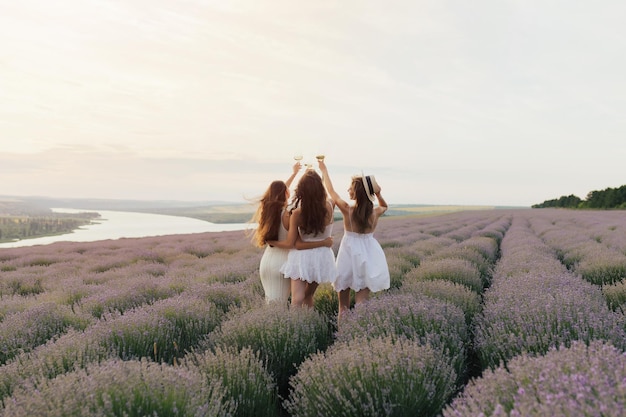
(609, 198)
(23, 227)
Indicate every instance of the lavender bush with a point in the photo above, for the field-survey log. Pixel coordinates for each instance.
(534, 312)
(226, 296)
(460, 271)
(602, 266)
(10, 304)
(159, 297)
(577, 381)
(457, 294)
(399, 263)
(73, 350)
(24, 286)
(282, 336)
(375, 377)
(122, 388)
(22, 331)
(163, 331)
(130, 294)
(246, 381)
(326, 301)
(423, 319)
(467, 253)
(615, 296)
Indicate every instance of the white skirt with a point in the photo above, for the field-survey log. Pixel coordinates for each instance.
(311, 265)
(361, 263)
(275, 285)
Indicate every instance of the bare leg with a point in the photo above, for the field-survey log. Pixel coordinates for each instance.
(344, 301)
(362, 296)
(298, 292)
(309, 293)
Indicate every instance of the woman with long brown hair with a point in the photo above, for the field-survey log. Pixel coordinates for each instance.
(361, 262)
(311, 221)
(272, 217)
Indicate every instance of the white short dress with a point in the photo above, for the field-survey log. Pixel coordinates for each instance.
(275, 286)
(312, 265)
(361, 263)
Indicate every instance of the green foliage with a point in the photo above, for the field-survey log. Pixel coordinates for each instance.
(22, 227)
(609, 198)
(615, 295)
(570, 201)
(326, 301)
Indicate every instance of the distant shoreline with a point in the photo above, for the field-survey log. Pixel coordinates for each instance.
(113, 225)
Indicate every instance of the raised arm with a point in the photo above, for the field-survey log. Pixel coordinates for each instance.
(382, 204)
(296, 169)
(340, 202)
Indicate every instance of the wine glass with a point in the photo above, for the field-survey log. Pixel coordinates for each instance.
(320, 157)
(298, 157)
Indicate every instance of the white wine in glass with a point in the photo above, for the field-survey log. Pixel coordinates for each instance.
(298, 157)
(320, 157)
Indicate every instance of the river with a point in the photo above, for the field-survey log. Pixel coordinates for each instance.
(121, 224)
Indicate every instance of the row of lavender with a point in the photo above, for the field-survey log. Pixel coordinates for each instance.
(69, 308)
(76, 311)
(408, 351)
(592, 245)
(546, 336)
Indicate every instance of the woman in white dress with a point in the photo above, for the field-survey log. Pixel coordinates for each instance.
(361, 262)
(311, 221)
(272, 217)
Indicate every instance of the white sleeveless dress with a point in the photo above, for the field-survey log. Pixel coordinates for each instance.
(361, 263)
(275, 286)
(312, 265)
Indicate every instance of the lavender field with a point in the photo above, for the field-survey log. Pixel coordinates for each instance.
(491, 313)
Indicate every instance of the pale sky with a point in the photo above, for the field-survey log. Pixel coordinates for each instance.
(500, 102)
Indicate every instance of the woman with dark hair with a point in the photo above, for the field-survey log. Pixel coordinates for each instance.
(311, 221)
(272, 217)
(361, 262)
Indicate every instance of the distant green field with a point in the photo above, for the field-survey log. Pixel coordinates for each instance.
(236, 213)
(241, 213)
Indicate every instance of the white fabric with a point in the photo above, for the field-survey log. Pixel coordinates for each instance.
(361, 263)
(312, 265)
(275, 285)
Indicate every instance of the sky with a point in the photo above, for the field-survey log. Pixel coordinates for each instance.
(486, 102)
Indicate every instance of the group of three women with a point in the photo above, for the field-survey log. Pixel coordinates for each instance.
(297, 238)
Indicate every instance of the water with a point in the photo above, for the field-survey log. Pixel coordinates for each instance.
(121, 224)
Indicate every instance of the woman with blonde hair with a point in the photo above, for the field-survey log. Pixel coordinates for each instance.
(361, 262)
(272, 217)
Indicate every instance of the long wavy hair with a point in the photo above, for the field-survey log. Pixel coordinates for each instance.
(310, 195)
(363, 208)
(268, 213)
